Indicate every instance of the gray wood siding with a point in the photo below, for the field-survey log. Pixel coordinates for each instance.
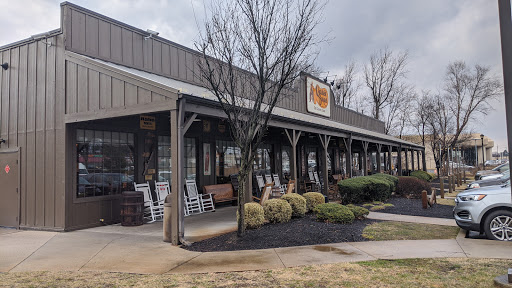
(32, 118)
(125, 45)
(92, 89)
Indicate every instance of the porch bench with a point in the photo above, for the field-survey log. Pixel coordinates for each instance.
(221, 193)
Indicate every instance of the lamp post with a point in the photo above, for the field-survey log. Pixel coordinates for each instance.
(476, 153)
(483, 151)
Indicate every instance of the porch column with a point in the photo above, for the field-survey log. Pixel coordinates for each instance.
(399, 161)
(390, 159)
(348, 155)
(294, 138)
(423, 160)
(406, 160)
(412, 160)
(418, 158)
(365, 158)
(324, 139)
(379, 149)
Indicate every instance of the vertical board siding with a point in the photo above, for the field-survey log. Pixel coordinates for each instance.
(60, 136)
(40, 133)
(91, 34)
(28, 102)
(82, 87)
(127, 46)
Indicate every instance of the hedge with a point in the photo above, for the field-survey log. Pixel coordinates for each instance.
(313, 199)
(364, 189)
(392, 180)
(254, 215)
(422, 175)
(411, 187)
(297, 202)
(277, 211)
(334, 213)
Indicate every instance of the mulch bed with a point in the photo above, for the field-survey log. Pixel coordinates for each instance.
(297, 232)
(308, 231)
(404, 206)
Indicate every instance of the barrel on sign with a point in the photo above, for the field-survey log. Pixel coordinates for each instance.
(132, 208)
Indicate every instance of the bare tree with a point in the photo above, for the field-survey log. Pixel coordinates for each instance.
(396, 113)
(346, 87)
(468, 93)
(421, 114)
(384, 76)
(253, 50)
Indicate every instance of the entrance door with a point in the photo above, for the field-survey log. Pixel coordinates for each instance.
(9, 204)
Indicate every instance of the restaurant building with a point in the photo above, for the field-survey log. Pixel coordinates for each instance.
(97, 105)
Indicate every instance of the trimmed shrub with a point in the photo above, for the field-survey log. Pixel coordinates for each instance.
(411, 187)
(277, 211)
(359, 212)
(297, 202)
(334, 212)
(364, 189)
(422, 175)
(392, 180)
(254, 215)
(313, 199)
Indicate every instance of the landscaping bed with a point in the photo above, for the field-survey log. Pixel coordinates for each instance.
(404, 206)
(297, 232)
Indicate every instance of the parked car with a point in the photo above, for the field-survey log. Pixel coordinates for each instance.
(110, 183)
(486, 210)
(497, 170)
(490, 180)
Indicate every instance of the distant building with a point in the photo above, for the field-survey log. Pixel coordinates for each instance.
(471, 150)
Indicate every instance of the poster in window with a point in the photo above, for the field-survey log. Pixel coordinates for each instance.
(206, 158)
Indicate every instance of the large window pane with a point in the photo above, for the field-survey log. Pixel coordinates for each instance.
(106, 162)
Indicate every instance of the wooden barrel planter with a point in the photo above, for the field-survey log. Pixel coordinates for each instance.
(132, 208)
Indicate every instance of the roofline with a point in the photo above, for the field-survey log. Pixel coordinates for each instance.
(29, 40)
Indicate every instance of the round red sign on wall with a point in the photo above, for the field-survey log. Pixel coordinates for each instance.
(7, 168)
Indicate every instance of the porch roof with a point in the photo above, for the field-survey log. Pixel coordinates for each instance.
(281, 116)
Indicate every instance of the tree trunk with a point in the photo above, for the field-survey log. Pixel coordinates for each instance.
(242, 190)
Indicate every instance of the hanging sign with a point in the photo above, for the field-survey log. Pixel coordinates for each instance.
(318, 97)
(206, 157)
(7, 169)
(147, 122)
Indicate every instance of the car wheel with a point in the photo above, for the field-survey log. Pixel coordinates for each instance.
(498, 225)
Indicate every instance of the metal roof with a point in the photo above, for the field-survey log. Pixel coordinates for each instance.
(203, 93)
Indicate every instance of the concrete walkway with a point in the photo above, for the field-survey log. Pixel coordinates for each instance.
(141, 250)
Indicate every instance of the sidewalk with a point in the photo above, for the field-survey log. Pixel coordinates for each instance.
(113, 250)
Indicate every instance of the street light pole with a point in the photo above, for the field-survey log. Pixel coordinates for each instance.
(483, 151)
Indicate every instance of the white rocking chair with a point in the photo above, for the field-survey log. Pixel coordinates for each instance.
(268, 179)
(152, 210)
(277, 184)
(162, 189)
(195, 201)
(317, 181)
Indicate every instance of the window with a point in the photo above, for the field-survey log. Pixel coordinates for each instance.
(164, 158)
(106, 164)
(286, 159)
(227, 158)
(190, 158)
(262, 162)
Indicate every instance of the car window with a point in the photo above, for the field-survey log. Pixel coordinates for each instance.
(504, 168)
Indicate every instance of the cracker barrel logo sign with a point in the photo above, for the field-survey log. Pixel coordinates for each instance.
(318, 97)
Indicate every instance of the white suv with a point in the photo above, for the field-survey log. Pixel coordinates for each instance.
(486, 210)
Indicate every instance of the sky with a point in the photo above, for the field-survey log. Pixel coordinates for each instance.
(434, 33)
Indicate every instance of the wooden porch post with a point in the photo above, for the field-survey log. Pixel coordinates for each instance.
(365, 158)
(399, 161)
(390, 159)
(294, 139)
(379, 149)
(348, 155)
(418, 158)
(412, 160)
(406, 160)
(324, 139)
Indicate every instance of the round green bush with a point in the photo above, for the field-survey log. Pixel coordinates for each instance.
(359, 212)
(313, 199)
(334, 213)
(392, 180)
(411, 187)
(277, 210)
(297, 202)
(364, 189)
(254, 215)
(422, 175)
